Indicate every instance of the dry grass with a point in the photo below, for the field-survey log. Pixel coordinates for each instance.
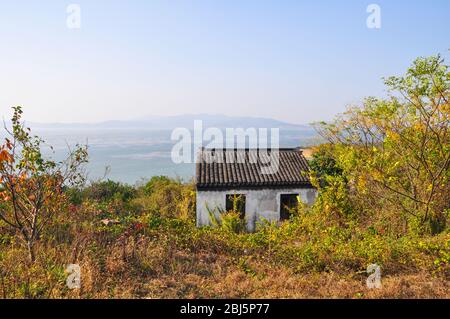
(144, 267)
(147, 256)
(228, 281)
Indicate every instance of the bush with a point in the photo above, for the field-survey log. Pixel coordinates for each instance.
(106, 191)
(167, 198)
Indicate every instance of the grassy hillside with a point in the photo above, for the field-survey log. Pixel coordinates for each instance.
(384, 199)
(130, 244)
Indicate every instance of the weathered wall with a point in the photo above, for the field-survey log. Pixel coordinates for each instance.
(259, 203)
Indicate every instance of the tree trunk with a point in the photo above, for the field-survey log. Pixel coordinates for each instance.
(31, 254)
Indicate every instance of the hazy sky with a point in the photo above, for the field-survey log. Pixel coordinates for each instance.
(297, 61)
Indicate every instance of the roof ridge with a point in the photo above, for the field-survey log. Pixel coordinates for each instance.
(248, 149)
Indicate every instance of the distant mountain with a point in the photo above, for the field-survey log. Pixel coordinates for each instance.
(187, 121)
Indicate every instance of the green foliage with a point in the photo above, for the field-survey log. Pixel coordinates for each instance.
(156, 183)
(106, 191)
(167, 197)
(323, 162)
(335, 201)
(231, 221)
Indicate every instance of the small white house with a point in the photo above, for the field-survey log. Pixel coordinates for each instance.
(222, 175)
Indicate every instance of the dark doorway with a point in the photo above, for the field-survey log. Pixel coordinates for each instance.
(236, 202)
(288, 202)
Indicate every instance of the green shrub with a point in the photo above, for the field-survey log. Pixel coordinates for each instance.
(107, 191)
(167, 198)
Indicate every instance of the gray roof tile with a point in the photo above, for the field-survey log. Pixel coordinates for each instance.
(235, 168)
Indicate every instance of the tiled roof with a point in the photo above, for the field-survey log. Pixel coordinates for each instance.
(244, 168)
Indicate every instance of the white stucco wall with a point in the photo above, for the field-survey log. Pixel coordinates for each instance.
(258, 203)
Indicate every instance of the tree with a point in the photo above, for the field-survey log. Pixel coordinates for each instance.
(396, 151)
(31, 187)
